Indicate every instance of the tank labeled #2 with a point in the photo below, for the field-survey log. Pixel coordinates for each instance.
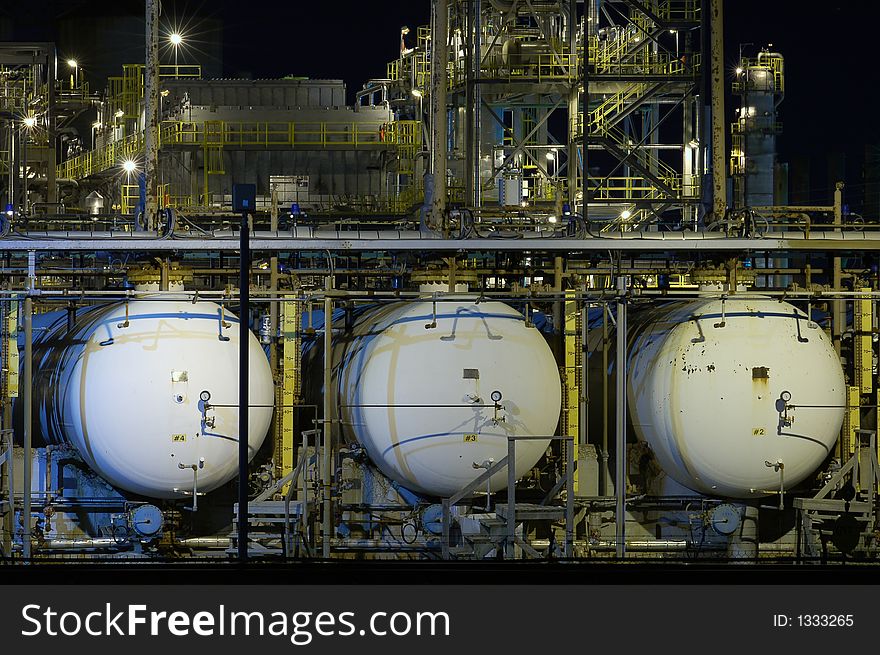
(433, 394)
(709, 387)
(123, 386)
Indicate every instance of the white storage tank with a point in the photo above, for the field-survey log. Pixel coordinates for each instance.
(704, 387)
(123, 388)
(416, 388)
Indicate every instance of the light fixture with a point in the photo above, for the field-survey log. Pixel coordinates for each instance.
(72, 63)
(164, 93)
(552, 220)
(626, 214)
(551, 155)
(119, 113)
(176, 39)
(739, 70)
(97, 125)
(404, 30)
(416, 93)
(30, 122)
(129, 166)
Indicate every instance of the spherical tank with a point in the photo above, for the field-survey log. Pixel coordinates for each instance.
(705, 385)
(124, 388)
(417, 389)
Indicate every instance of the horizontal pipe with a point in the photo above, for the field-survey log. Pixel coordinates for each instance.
(85, 543)
(206, 542)
(359, 242)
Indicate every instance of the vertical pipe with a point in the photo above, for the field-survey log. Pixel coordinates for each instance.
(606, 478)
(569, 497)
(243, 370)
(589, 27)
(24, 174)
(14, 164)
(477, 107)
(584, 409)
(51, 65)
(469, 116)
(151, 115)
(439, 82)
(273, 288)
(511, 498)
(719, 145)
(27, 402)
(620, 426)
(574, 95)
(326, 472)
(838, 314)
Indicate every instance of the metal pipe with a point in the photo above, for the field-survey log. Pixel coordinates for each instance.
(573, 105)
(571, 448)
(86, 543)
(206, 542)
(584, 400)
(51, 117)
(511, 499)
(151, 115)
(620, 426)
(655, 546)
(478, 101)
(243, 382)
(439, 83)
(27, 399)
(326, 471)
(719, 132)
(838, 313)
(606, 482)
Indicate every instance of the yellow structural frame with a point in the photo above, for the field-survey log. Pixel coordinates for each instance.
(571, 372)
(863, 346)
(291, 386)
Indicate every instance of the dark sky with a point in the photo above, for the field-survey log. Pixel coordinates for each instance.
(830, 48)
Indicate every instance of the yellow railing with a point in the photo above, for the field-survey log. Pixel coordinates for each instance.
(223, 134)
(622, 189)
(548, 67)
(229, 134)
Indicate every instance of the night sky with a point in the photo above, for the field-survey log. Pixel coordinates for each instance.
(830, 49)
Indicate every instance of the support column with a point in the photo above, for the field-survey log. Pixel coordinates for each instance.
(151, 116)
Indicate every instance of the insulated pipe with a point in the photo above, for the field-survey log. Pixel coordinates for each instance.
(151, 115)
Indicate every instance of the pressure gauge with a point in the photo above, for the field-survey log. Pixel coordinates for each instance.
(496, 396)
(205, 396)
